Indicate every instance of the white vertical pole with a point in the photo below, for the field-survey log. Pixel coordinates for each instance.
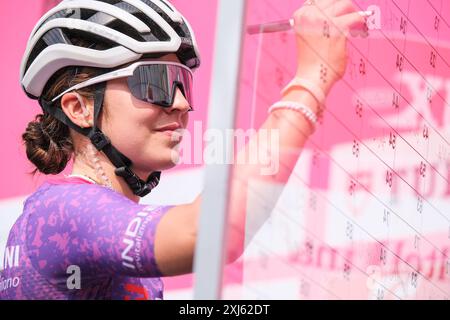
(209, 256)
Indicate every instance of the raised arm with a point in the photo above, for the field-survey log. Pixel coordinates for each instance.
(177, 232)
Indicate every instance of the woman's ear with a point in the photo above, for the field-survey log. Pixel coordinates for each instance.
(78, 109)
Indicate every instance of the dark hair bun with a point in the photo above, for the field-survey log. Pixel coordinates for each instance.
(48, 144)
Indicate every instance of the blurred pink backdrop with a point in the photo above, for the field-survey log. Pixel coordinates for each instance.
(17, 19)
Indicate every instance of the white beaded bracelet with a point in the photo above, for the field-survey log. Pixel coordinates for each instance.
(302, 108)
(309, 86)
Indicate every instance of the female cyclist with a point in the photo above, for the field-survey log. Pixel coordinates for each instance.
(114, 80)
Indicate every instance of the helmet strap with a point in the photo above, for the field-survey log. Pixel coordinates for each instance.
(102, 143)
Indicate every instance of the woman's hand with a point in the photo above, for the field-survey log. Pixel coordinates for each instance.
(321, 30)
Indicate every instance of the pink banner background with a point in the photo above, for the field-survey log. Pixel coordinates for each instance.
(365, 215)
(368, 206)
(17, 20)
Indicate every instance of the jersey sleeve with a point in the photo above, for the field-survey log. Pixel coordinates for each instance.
(95, 229)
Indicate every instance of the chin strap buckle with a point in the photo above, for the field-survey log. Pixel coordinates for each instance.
(139, 187)
(99, 140)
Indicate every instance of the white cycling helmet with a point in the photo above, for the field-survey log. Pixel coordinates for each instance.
(130, 29)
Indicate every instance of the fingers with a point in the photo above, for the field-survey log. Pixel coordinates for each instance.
(340, 7)
(320, 5)
(332, 17)
(324, 4)
(353, 23)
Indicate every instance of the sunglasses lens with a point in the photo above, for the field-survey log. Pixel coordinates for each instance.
(156, 83)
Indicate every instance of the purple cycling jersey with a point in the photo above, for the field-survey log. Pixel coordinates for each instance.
(77, 240)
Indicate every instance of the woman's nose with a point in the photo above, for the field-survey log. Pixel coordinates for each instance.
(180, 102)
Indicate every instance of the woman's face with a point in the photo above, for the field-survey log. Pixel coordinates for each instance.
(132, 125)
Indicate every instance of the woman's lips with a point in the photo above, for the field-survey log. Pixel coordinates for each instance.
(176, 135)
(170, 127)
(173, 130)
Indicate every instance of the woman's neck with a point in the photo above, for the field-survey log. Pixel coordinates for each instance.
(101, 170)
